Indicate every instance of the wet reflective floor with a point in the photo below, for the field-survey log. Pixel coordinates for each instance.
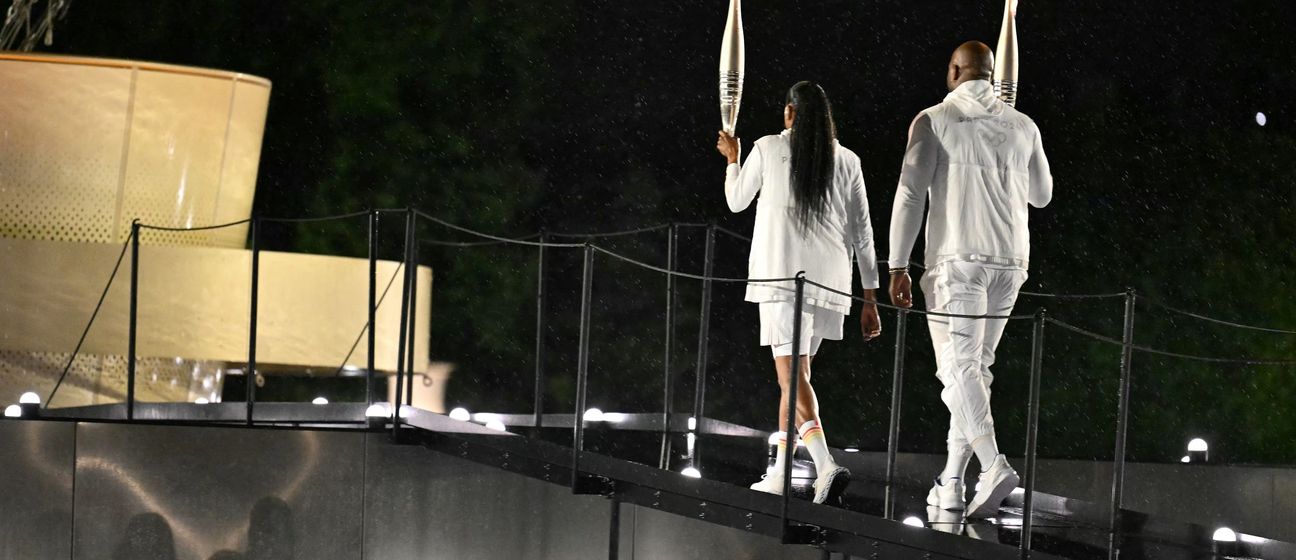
(1060, 526)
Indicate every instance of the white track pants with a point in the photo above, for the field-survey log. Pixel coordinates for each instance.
(965, 348)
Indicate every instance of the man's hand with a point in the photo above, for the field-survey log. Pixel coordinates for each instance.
(901, 289)
(870, 324)
(727, 145)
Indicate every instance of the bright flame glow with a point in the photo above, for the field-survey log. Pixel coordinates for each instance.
(1261, 119)
(29, 398)
(319, 400)
(461, 414)
(377, 410)
(497, 426)
(1197, 444)
(913, 522)
(691, 472)
(1224, 534)
(13, 411)
(593, 415)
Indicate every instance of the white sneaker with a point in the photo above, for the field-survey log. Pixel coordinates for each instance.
(770, 484)
(997, 483)
(831, 483)
(948, 496)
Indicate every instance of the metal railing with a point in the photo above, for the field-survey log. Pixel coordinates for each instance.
(543, 241)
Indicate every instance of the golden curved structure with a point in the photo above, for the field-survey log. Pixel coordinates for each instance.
(86, 146)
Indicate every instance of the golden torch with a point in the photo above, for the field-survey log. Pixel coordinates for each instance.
(732, 65)
(1005, 72)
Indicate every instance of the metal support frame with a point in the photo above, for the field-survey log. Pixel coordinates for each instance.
(404, 323)
(668, 377)
(373, 307)
(582, 366)
(1032, 431)
(538, 406)
(1122, 426)
(704, 334)
(789, 451)
(134, 320)
(251, 372)
(893, 432)
(412, 266)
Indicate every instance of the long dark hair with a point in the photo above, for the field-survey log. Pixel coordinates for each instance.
(813, 132)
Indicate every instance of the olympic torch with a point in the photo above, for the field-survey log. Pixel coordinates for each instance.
(1005, 72)
(732, 65)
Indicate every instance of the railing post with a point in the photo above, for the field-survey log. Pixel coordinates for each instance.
(668, 376)
(404, 323)
(538, 406)
(1122, 426)
(1032, 431)
(413, 312)
(582, 366)
(134, 320)
(893, 433)
(789, 451)
(252, 319)
(373, 307)
(704, 333)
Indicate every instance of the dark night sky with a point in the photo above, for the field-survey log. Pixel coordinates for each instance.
(602, 115)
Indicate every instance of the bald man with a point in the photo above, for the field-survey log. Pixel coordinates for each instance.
(980, 164)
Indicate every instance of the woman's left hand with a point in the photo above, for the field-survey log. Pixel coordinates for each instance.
(727, 145)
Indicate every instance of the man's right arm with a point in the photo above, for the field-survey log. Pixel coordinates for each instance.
(1041, 177)
(916, 176)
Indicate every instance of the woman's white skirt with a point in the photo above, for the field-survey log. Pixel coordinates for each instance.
(817, 324)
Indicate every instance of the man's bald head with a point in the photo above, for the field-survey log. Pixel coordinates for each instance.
(972, 60)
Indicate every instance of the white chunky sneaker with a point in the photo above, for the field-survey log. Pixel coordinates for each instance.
(831, 483)
(948, 496)
(770, 483)
(997, 483)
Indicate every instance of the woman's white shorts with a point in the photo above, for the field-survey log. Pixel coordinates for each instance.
(817, 324)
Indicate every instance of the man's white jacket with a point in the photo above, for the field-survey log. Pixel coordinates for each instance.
(980, 162)
(780, 249)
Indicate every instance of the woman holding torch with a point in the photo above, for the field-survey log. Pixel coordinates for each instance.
(812, 216)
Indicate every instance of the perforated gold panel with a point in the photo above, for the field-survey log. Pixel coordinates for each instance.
(87, 145)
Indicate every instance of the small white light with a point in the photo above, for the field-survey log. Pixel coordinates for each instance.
(319, 400)
(691, 472)
(377, 410)
(775, 437)
(497, 426)
(1261, 119)
(1224, 534)
(13, 411)
(1197, 444)
(29, 398)
(201, 400)
(692, 423)
(851, 450)
(614, 417)
(461, 414)
(914, 522)
(593, 415)
(405, 411)
(1185, 459)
